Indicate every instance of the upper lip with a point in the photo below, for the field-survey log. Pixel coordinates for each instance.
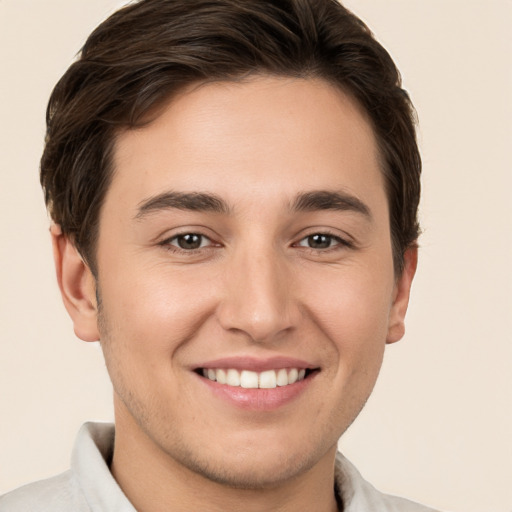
(256, 364)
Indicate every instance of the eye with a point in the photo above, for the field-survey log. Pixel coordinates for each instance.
(321, 241)
(189, 241)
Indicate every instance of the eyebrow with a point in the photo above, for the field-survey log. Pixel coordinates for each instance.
(206, 202)
(194, 201)
(329, 200)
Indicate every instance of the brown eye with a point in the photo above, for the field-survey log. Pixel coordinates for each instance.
(189, 241)
(321, 241)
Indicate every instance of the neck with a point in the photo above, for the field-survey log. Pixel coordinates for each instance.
(152, 480)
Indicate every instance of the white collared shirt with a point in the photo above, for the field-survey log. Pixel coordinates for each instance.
(90, 487)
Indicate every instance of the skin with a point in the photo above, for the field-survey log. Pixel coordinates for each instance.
(258, 287)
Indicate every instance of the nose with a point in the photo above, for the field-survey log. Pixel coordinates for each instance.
(259, 300)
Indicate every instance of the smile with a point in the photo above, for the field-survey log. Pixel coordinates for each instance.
(268, 379)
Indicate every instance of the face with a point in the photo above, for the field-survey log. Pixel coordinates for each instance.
(246, 278)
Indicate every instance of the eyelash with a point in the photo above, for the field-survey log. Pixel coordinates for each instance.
(167, 243)
(339, 243)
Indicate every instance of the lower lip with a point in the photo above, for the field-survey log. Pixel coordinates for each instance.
(258, 399)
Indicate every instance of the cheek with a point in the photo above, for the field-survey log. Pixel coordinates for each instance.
(352, 308)
(154, 308)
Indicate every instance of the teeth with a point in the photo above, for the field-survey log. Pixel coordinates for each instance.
(249, 379)
(221, 376)
(232, 378)
(268, 379)
(293, 375)
(282, 378)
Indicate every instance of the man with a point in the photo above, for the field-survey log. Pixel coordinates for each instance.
(234, 190)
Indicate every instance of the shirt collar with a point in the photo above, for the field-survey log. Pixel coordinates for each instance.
(93, 451)
(90, 462)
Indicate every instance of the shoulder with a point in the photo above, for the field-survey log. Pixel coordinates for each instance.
(358, 495)
(396, 504)
(60, 493)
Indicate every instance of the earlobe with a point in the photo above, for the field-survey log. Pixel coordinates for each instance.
(396, 327)
(77, 286)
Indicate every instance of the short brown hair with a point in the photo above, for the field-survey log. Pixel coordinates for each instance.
(147, 51)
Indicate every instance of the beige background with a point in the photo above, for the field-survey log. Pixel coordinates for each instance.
(438, 428)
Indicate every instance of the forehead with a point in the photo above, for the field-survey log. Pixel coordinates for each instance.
(265, 137)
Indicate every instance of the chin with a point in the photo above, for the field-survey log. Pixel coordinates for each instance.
(253, 466)
(250, 473)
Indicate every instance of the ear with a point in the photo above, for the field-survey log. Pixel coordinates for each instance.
(77, 286)
(396, 327)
